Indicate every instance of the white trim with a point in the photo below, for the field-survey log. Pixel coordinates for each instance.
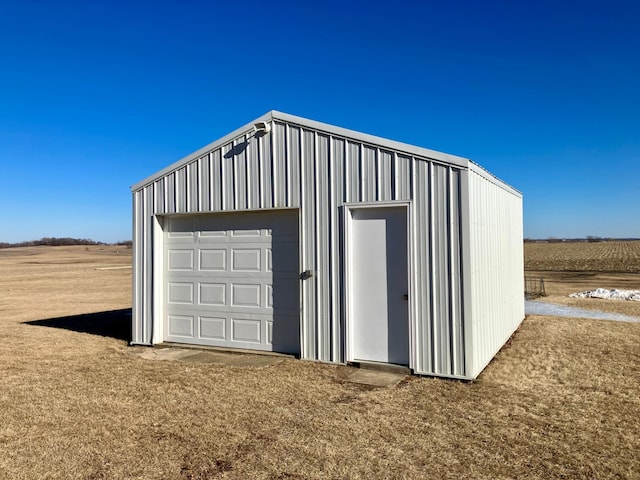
(348, 267)
(371, 140)
(158, 280)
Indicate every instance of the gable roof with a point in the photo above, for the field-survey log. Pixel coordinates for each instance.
(332, 130)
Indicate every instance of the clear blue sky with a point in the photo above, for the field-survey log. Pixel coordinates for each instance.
(97, 95)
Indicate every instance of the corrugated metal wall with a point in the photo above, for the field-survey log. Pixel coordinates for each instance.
(496, 268)
(296, 166)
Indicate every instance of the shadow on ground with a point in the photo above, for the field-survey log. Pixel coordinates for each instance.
(114, 323)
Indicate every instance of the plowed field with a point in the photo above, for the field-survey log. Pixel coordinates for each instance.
(610, 256)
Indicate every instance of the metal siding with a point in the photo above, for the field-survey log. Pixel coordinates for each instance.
(402, 173)
(266, 171)
(181, 192)
(293, 165)
(441, 269)
(227, 178)
(170, 193)
(194, 190)
(454, 330)
(323, 232)
(352, 173)
(239, 166)
(138, 317)
(336, 198)
(308, 241)
(368, 174)
(159, 195)
(142, 311)
(457, 338)
(496, 262)
(319, 173)
(253, 176)
(216, 180)
(204, 184)
(279, 146)
(422, 228)
(385, 178)
(439, 336)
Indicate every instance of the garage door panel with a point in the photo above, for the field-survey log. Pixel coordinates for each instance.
(246, 295)
(246, 330)
(246, 233)
(181, 326)
(213, 259)
(246, 260)
(213, 294)
(180, 292)
(178, 260)
(213, 328)
(235, 281)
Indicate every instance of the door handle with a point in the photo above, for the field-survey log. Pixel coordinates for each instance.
(306, 275)
(405, 296)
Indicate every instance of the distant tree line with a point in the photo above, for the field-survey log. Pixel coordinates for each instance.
(57, 242)
(589, 238)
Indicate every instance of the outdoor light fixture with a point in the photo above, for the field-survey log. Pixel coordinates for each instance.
(262, 127)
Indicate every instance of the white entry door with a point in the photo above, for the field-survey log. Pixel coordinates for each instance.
(378, 285)
(232, 280)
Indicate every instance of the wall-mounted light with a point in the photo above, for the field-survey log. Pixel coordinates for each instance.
(262, 127)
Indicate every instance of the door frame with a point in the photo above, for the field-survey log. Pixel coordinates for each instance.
(347, 265)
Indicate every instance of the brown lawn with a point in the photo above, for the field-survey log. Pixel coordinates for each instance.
(562, 400)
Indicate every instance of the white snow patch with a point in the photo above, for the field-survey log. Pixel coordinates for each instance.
(537, 307)
(614, 294)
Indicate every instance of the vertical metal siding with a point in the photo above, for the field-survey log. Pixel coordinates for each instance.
(496, 268)
(385, 178)
(423, 302)
(216, 190)
(204, 184)
(308, 218)
(238, 164)
(292, 152)
(369, 175)
(323, 291)
(318, 172)
(337, 198)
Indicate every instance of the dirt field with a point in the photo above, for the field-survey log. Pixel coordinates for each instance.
(611, 256)
(578, 266)
(562, 400)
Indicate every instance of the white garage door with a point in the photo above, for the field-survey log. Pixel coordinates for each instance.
(232, 280)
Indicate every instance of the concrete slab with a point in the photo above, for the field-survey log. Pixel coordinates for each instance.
(207, 356)
(166, 353)
(376, 378)
(234, 359)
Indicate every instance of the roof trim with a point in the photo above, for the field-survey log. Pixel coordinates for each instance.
(274, 115)
(372, 139)
(474, 167)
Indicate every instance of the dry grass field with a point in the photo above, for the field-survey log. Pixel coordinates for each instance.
(571, 267)
(562, 400)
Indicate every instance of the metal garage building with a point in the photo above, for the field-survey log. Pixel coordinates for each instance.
(295, 236)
